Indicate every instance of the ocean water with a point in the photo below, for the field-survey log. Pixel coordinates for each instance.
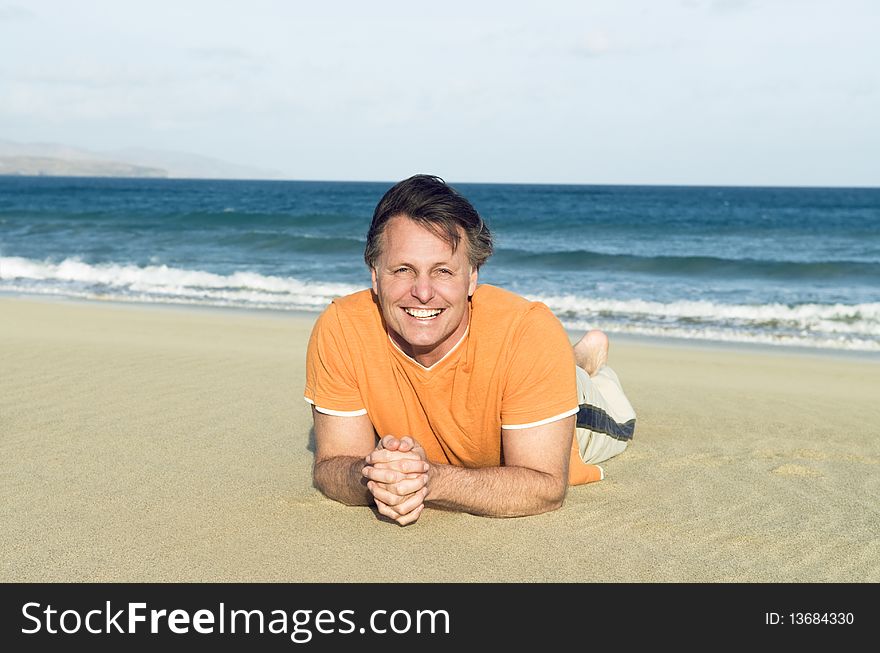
(779, 266)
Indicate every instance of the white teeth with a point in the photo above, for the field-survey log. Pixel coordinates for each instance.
(423, 312)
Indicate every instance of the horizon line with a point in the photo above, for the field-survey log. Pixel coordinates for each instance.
(452, 183)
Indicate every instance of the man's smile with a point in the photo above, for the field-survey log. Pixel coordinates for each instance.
(423, 313)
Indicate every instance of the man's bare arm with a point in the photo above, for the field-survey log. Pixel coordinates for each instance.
(341, 444)
(533, 480)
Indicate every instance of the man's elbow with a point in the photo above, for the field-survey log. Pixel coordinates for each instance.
(554, 495)
(555, 502)
(320, 481)
(331, 479)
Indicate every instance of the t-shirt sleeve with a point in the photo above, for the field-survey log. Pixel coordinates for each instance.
(541, 385)
(331, 385)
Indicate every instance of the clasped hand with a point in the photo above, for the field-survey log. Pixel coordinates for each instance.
(397, 473)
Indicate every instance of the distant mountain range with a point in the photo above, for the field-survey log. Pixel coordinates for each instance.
(53, 159)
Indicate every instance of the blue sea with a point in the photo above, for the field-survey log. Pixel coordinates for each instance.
(778, 266)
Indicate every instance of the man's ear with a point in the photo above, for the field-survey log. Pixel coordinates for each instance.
(375, 282)
(472, 286)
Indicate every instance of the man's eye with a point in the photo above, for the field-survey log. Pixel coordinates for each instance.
(444, 271)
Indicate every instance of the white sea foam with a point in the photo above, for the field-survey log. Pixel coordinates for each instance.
(834, 318)
(837, 326)
(731, 335)
(73, 277)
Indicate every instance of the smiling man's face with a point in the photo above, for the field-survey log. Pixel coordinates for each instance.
(423, 289)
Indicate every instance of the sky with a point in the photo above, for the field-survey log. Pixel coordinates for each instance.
(703, 92)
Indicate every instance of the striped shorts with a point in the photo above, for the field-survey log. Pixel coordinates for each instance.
(605, 420)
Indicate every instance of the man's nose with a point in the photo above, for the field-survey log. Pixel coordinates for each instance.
(423, 289)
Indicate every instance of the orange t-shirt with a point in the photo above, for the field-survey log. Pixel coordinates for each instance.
(513, 368)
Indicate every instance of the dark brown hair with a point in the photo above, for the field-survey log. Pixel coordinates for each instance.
(432, 203)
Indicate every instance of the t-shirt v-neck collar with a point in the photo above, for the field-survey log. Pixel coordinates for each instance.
(446, 356)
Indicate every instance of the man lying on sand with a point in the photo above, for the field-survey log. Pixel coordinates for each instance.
(476, 392)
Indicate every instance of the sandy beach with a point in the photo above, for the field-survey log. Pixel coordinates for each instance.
(172, 444)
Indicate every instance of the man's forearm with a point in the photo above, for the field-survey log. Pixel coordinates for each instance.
(341, 479)
(494, 491)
